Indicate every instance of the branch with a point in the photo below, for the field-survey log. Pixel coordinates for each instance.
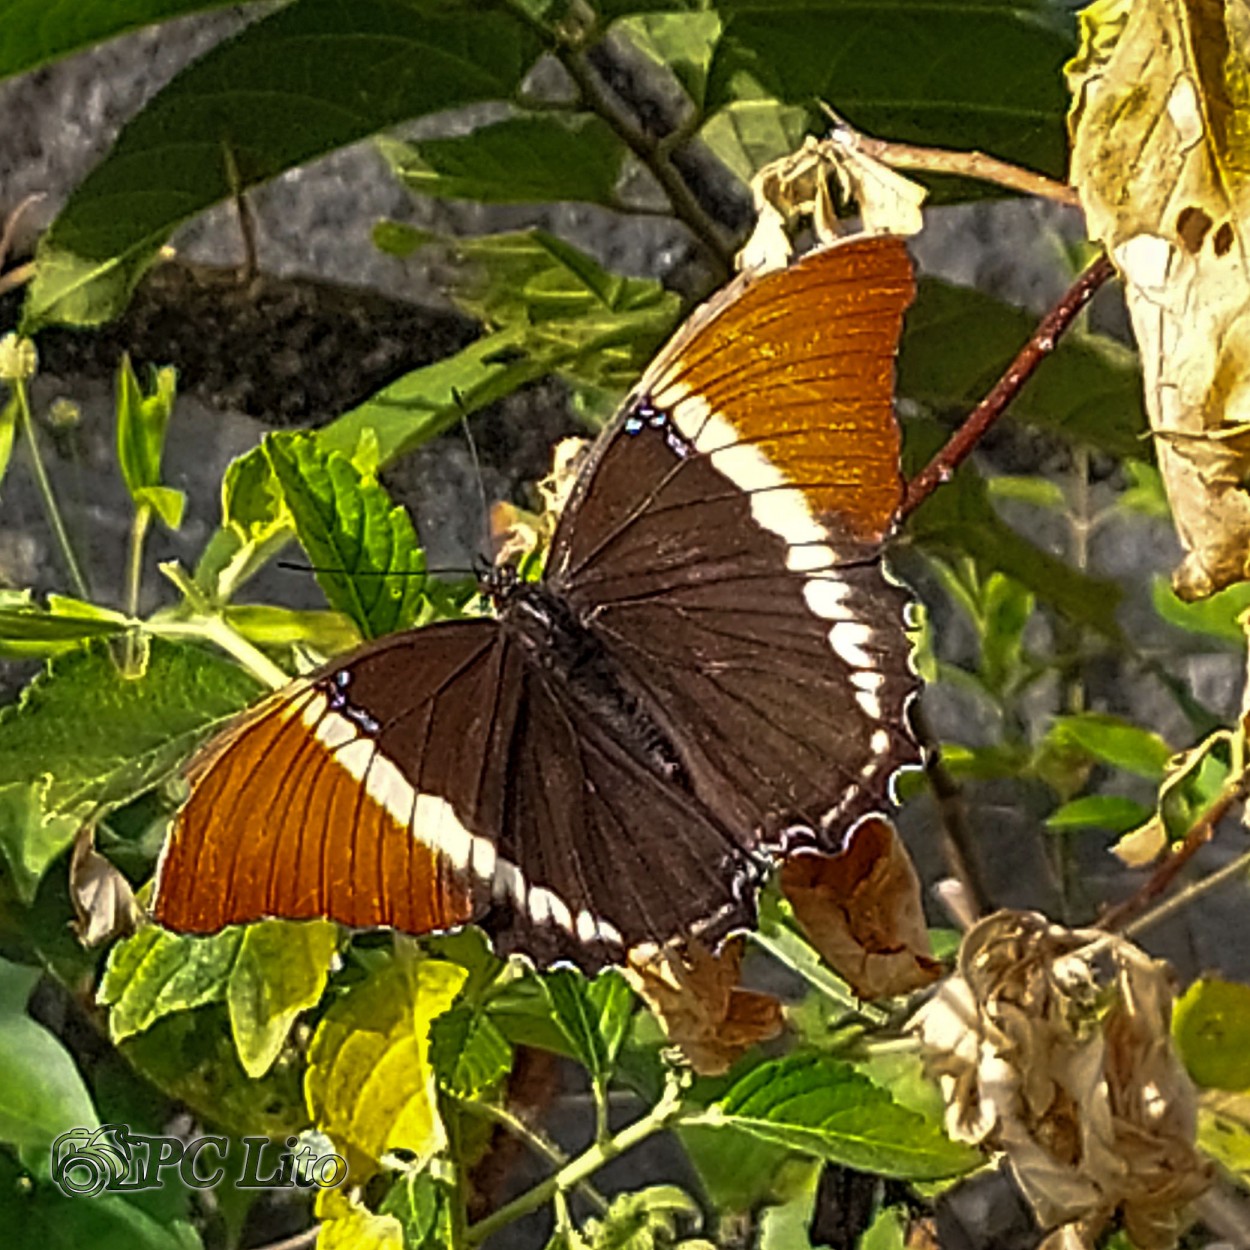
(975, 165)
(597, 98)
(1045, 338)
(585, 1165)
(1198, 835)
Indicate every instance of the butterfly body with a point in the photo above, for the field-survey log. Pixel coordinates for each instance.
(712, 661)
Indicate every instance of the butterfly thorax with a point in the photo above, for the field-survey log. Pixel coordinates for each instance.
(558, 642)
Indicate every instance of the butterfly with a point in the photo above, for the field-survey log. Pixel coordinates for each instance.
(712, 670)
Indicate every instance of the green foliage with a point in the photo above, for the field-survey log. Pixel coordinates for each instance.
(522, 159)
(142, 422)
(1211, 1027)
(363, 547)
(103, 738)
(819, 1106)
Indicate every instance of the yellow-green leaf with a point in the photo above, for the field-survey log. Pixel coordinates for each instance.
(1211, 1028)
(280, 970)
(370, 1084)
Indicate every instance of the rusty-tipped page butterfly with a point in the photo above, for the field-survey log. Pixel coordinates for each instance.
(713, 661)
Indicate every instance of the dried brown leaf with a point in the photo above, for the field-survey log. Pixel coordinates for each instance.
(1055, 1046)
(861, 909)
(696, 996)
(1161, 158)
(104, 904)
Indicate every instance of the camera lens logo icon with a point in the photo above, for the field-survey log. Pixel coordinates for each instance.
(85, 1161)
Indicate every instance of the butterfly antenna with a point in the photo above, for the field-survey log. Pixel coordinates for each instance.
(487, 547)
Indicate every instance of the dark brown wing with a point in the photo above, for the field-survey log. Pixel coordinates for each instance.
(724, 544)
(428, 779)
(610, 854)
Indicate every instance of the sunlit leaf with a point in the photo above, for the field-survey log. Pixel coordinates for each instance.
(1211, 1029)
(312, 77)
(280, 970)
(105, 738)
(1113, 741)
(1098, 811)
(820, 1106)
(370, 1083)
(362, 546)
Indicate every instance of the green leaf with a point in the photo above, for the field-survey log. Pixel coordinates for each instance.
(523, 1013)
(958, 342)
(105, 738)
(822, 1107)
(310, 78)
(784, 1223)
(1040, 492)
(191, 1056)
(1113, 741)
(398, 238)
(43, 1093)
(427, 402)
(749, 133)
(534, 278)
(738, 1172)
(888, 1231)
(167, 503)
(647, 1219)
(540, 157)
(280, 970)
(29, 839)
(984, 75)
(269, 626)
(363, 547)
(423, 1207)
(155, 973)
(370, 1083)
(37, 1216)
(1146, 494)
(1006, 609)
(28, 37)
(142, 421)
(469, 1053)
(1099, 811)
(29, 631)
(1216, 617)
(682, 42)
(593, 1017)
(1211, 1029)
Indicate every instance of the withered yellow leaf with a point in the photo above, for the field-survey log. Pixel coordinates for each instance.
(1161, 157)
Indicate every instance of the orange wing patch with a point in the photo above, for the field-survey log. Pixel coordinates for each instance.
(786, 380)
(284, 822)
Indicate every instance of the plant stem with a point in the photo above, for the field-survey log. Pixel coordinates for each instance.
(215, 630)
(134, 578)
(535, 1140)
(664, 1113)
(975, 165)
(1044, 341)
(597, 99)
(26, 424)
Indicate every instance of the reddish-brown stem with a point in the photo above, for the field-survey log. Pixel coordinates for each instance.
(1199, 834)
(1044, 340)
